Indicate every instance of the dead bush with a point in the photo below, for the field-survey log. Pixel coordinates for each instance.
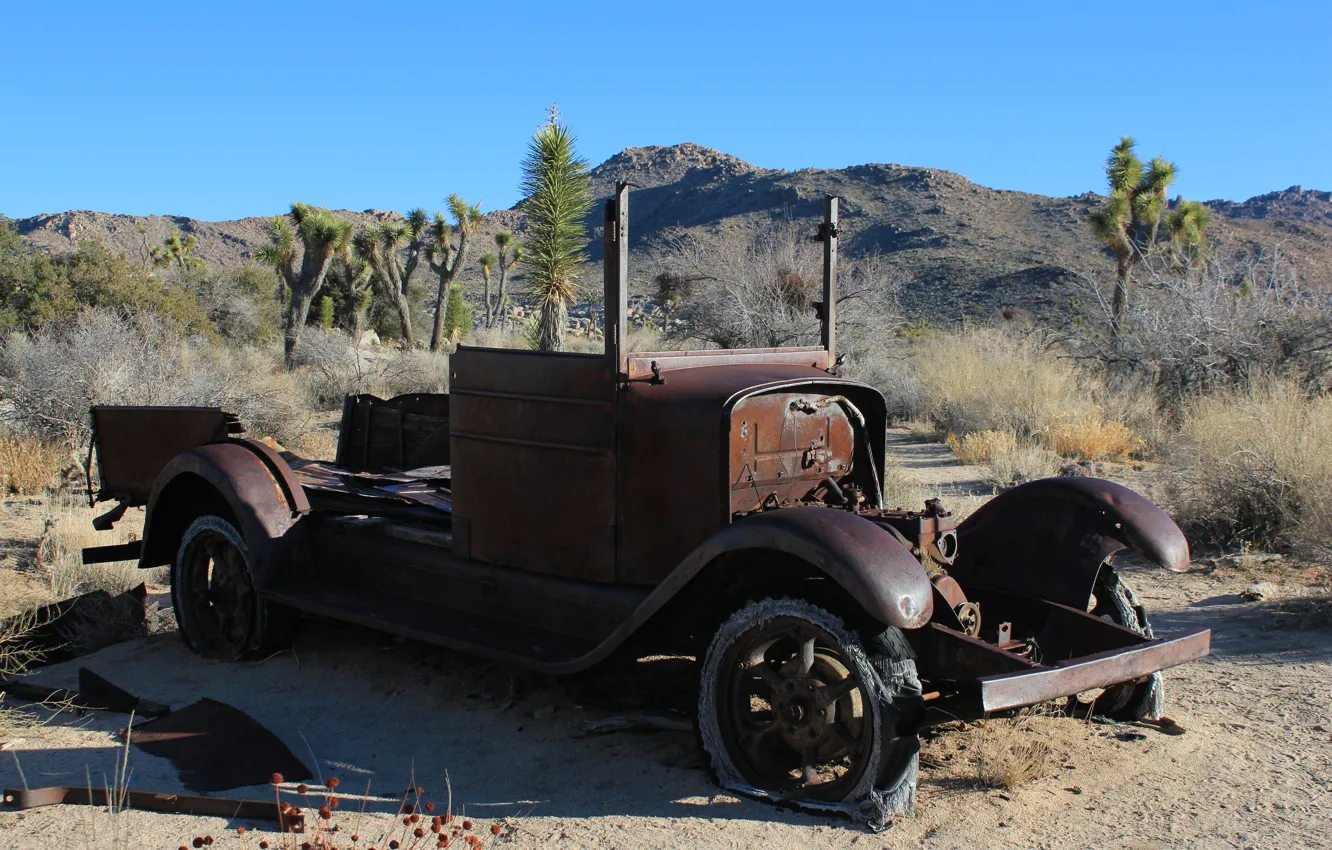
(1089, 437)
(1254, 465)
(1238, 316)
(68, 531)
(53, 376)
(756, 290)
(1026, 461)
(980, 446)
(331, 365)
(29, 466)
(1009, 756)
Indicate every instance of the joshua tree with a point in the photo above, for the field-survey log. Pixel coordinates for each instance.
(323, 236)
(446, 260)
(555, 187)
(1131, 218)
(510, 252)
(377, 245)
(487, 267)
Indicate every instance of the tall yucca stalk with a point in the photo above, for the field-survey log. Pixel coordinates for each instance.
(322, 236)
(1131, 218)
(555, 185)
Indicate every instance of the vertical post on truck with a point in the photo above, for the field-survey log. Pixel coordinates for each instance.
(828, 233)
(615, 241)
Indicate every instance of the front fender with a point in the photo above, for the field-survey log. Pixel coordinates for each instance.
(248, 479)
(1048, 538)
(867, 561)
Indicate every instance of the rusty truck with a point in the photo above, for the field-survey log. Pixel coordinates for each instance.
(553, 509)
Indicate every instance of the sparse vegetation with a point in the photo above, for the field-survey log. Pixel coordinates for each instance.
(1254, 465)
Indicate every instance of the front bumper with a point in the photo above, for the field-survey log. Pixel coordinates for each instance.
(1027, 687)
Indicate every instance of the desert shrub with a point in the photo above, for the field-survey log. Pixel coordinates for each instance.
(1026, 461)
(1008, 755)
(1238, 317)
(331, 366)
(30, 466)
(36, 288)
(53, 375)
(988, 380)
(1254, 465)
(1090, 437)
(981, 446)
(883, 363)
(757, 290)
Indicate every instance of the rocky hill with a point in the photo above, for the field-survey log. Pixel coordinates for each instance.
(966, 249)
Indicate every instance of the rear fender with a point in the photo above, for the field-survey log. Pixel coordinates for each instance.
(868, 562)
(244, 478)
(1048, 538)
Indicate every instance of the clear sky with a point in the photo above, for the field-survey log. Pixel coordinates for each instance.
(225, 110)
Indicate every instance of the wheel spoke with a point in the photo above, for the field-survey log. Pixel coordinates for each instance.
(809, 776)
(767, 674)
(832, 693)
(806, 656)
(754, 743)
(843, 736)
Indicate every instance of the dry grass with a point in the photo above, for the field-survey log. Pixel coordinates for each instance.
(29, 466)
(1024, 462)
(985, 380)
(900, 490)
(1255, 466)
(318, 444)
(1009, 756)
(1089, 437)
(68, 530)
(981, 446)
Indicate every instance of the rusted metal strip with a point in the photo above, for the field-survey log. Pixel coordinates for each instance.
(282, 472)
(148, 801)
(553, 399)
(539, 444)
(1013, 690)
(828, 314)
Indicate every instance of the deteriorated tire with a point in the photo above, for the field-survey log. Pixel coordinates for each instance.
(218, 610)
(792, 705)
(1115, 601)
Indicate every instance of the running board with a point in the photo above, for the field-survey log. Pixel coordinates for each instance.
(430, 622)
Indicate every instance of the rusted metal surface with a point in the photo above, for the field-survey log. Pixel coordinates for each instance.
(615, 273)
(135, 443)
(534, 452)
(783, 445)
(149, 801)
(676, 447)
(1085, 673)
(404, 432)
(216, 747)
(639, 367)
(1050, 537)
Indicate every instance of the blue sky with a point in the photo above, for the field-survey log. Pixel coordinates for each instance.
(219, 111)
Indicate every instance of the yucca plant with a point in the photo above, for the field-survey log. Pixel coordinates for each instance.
(1131, 218)
(322, 236)
(555, 187)
(446, 259)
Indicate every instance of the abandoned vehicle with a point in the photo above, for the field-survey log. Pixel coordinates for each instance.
(554, 508)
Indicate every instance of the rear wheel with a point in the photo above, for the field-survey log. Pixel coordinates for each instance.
(793, 705)
(1114, 600)
(218, 610)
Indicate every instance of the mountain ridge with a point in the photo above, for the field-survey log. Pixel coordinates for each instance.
(964, 248)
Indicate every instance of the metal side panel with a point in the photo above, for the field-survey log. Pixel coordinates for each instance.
(532, 443)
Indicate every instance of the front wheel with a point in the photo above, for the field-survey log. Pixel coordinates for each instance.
(794, 707)
(1115, 601)
(218, 610)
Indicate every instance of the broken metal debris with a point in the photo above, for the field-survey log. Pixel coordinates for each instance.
(95, 693)
(149, 801)
(217, 747)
